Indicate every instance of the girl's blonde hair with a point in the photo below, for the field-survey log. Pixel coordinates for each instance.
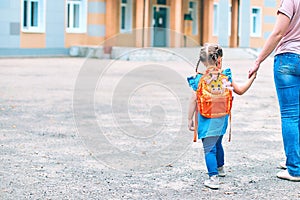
(209, 54)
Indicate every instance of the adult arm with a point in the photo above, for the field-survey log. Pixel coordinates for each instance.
(280, 28)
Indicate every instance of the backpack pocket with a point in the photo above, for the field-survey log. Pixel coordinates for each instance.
(214, 106)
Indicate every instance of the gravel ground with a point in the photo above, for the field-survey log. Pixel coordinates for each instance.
(46, 155)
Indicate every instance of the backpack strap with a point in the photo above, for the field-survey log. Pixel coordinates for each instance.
(229, 138)
(196, 126)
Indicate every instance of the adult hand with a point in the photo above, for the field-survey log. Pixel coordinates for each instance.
(253, 69)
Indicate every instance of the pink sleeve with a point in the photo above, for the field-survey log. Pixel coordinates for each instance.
(287, 8)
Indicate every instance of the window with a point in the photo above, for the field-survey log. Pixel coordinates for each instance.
(216, 20)
(126, 16)
(255, 22)
(33, 16)
(193, 13)
(76, 16)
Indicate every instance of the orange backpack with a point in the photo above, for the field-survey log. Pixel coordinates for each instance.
(214, 97)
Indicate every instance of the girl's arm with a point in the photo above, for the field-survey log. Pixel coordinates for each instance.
(242, 88)
(192, 109)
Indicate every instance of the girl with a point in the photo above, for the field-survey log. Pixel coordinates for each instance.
(211, 130)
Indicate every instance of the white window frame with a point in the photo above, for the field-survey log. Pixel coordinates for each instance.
(41, 16)
(128, 16)
(229, 19)
(258, 17)
(194, 14)
(82, 23)
(216, 19)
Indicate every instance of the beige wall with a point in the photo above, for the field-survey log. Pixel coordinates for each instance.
(32, 40)
(257, 42)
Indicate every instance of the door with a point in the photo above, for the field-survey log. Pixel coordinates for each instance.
(160, 16)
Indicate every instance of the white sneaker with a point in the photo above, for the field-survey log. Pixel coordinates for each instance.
(284, 174)
(212, 182)
(221, 172)
(282, 165)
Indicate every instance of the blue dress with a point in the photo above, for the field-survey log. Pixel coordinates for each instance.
(210, 126)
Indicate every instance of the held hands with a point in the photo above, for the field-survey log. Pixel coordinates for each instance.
(191, 125)
(253, 70)
(253, 75)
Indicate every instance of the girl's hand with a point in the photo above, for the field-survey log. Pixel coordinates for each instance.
(191, 125)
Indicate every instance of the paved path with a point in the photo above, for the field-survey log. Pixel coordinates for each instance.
(49, 149)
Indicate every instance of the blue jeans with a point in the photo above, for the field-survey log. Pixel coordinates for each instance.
(287, 81)
(214, 154)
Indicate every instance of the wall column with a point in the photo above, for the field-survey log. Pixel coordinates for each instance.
(223, 38)
(140, 20)
(244, 38)
(176, 24)
(208, 8)
(111, 23)
(234, 23)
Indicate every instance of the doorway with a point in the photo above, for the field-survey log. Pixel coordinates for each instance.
(160, 26)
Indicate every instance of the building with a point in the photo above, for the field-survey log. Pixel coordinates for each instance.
(51, 27)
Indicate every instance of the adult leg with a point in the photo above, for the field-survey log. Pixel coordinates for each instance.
(287, 81)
